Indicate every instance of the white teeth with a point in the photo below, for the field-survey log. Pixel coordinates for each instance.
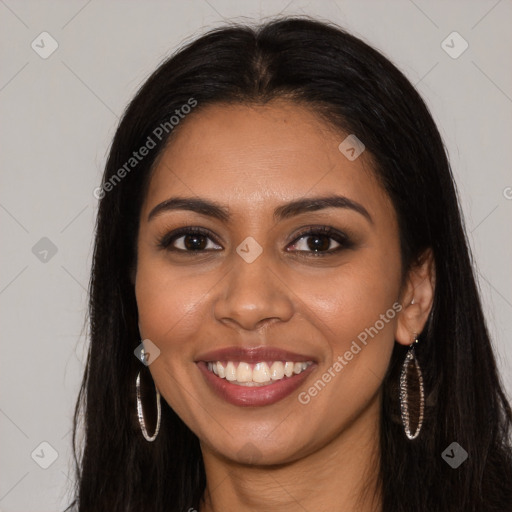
(220, 370)
(243, 373)
(299, 367)
(277, 370)
(230, 371)
(260, 374)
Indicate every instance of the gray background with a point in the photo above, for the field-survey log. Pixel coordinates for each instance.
(59, 115)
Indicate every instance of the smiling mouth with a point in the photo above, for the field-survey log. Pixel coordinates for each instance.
(263, 373)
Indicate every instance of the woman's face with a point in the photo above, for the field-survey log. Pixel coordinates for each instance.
(254, 278)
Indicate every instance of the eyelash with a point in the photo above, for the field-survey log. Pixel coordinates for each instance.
(341, 238)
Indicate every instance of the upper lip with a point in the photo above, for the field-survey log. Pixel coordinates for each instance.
(253, 355)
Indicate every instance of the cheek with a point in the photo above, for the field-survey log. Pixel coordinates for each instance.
(170, 312)
(354, 304)
(355, 289)
(355, 311)
(170, 304)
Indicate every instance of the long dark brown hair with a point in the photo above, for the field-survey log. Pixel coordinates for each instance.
(355, 88)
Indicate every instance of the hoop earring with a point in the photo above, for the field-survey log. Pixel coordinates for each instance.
(404, 394)
(140, 413)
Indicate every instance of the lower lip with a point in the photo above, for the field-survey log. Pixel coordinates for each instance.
(256, 396)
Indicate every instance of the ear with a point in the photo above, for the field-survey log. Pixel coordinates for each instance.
(416, 298)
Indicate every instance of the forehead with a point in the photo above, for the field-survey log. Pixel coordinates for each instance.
(253, 156)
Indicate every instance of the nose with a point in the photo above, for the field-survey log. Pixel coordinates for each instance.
(253, 295)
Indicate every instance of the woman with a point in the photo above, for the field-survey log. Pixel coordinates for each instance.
(280, 245)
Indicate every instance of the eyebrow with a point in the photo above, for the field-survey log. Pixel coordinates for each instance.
(286, 211)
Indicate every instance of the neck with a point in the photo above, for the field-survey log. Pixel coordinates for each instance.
(343, 475)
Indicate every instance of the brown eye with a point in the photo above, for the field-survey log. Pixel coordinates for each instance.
(321, 241)
(189, 239)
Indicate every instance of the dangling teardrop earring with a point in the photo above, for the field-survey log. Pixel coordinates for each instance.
(410, 358)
